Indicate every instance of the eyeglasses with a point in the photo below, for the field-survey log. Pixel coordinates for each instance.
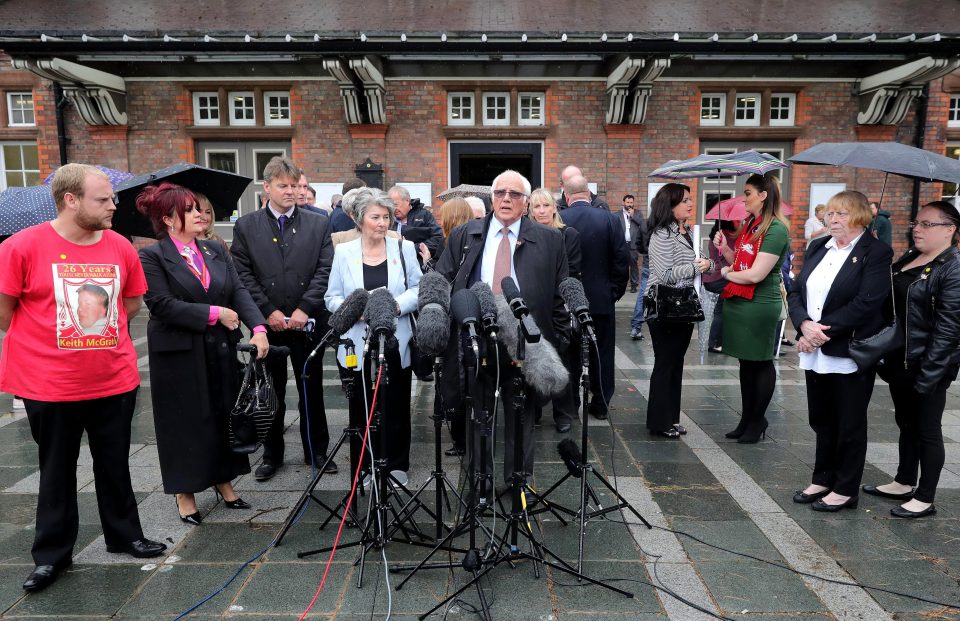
(513, 194)
(928, 225)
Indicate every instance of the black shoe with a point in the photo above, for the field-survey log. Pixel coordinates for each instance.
(455, 451)
(43, 576)
(736, 433)
(563, 427)
(680, 429)
(805, 499)
(752, 436)
(193, 519)
(265, 472)
(140, 548)
(597, 412)
(331, 467)
(873, 491)
(669, 433)
(849, 503)
(237, 503)
(633, 289)
(900, 512)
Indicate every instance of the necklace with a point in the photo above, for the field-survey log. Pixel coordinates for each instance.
(374, 259)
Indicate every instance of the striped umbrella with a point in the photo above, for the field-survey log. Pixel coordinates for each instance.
(707, 165)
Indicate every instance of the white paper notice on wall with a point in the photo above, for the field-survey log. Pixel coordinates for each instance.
(652, 189)
(325, 191)
(421, 191)
(820, 193)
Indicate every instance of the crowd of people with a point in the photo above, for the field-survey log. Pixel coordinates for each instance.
(292, 263)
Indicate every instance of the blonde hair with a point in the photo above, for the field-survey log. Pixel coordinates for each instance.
(71, 178)
(856, 204)
(453, 213)
(544, 195)
(771, 205)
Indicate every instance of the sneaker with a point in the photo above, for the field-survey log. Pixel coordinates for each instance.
(636, 334)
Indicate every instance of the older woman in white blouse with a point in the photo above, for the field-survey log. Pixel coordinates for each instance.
(841, 291)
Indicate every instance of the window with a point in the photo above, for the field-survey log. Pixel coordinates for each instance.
(19, 165)
(262, 157)
(206, 109)
(953, 120)
(20, 111)
(713, 109)
(242, 111)
(530, 109)
(496, 108)
(783, 109)
(225, 159)
(276, 108)
(950, 190)
(460, 109)
(746, 109)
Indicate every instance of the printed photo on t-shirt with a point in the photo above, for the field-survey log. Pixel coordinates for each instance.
(87, 313)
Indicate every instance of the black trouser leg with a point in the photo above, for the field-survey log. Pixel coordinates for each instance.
(716, 328)
(396, 394)
(670, 342)
(838, 415)
(919, 417)
(567, 405)
(507, 396)
(601, 369)
(758, 379)
(634, 267)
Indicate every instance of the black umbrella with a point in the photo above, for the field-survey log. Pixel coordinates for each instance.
(222, 188)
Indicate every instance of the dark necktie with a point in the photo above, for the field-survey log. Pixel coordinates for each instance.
(282, 222)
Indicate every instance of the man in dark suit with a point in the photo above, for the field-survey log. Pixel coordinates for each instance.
(630, 233)
(564, 201)
(604, 272)
(339, 219)
(535, 257)
(283, 256)
(414, 222)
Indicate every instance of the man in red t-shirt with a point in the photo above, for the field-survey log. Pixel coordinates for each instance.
(67, 291)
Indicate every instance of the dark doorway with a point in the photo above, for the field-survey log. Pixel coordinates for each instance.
(479, 162)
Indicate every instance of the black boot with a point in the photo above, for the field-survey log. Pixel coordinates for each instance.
(741, 427)
(754, 432)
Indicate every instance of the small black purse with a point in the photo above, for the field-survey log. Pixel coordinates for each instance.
(672, 304)
(254, 411)
(868, 352)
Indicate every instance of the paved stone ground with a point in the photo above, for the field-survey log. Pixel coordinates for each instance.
(701, 490)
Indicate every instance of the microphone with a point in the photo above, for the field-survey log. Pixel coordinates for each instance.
(571, 456)
(571, 290)
(545, 371)
(349, 313)
(531, 333)
(488, 309)
(381, 315)
(465, 309)
(433, 324)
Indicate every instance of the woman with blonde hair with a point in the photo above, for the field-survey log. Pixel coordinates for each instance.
(206, 210)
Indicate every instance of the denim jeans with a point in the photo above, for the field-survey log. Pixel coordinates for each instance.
(637, 320)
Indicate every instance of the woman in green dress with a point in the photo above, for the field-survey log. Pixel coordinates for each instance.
(753, 301)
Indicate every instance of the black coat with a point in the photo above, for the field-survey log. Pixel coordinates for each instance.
(289, 273)
(571, 243)
(193, 366)
(422, 227)
(857, 295)
(606, 268)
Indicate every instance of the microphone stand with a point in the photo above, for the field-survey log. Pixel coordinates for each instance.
(584, 467)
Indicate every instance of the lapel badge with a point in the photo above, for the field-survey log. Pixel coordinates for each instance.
(923, 276)
(853, 260)
(274, 240)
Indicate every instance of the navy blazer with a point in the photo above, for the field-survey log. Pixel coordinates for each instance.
(605, 268)
(855, 303)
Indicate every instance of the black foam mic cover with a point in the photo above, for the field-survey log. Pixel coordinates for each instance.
(510, 289)
(571, 290)
(464, 307)
(434, 289)
(381, 312)
(433, 330)
(488, 308)
(349, 311)
(571, 456)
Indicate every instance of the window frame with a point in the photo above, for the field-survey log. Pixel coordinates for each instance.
(197, 121)
(257, 171)
(722, 121)
(496, 122)
(461, 122)
(953, 109)
(542, 108)
(949, 150)
(10, 109)
(791, 120)
(755, 121)
(231, 97)
(267, 121)
(22, 170)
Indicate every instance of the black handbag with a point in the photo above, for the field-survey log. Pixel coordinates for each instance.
(868, 352)
(672, 304)
(252, 415)
(421, 365)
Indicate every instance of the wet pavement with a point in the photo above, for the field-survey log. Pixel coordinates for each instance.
(726, 536)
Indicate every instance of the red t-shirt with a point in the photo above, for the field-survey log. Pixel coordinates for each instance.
(68, 339)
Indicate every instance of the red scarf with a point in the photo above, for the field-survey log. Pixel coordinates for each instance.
(747, 247)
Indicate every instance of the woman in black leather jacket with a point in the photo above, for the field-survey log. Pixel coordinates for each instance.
(926, 294)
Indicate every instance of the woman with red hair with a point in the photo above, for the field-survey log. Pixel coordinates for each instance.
(196, 303)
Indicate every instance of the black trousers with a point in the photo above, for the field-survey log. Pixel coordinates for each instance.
(300, 345)
(634, 266)
(837, 405)
(395, 393)
(670, 342)
(56, 427)
(566, 407)
(919, 418)
(601, 370)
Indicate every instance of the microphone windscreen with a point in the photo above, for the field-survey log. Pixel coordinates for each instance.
(571, 290)
(544, 369)
(488, 308)
(433, 330)
(349, 311)
(464, 306)
(509, 288)
(434, 289)
(381, 312)
(571, 456)
(508, 325)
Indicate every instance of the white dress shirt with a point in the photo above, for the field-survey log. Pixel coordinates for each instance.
(626, 225)
(818, 287)
(489, 260)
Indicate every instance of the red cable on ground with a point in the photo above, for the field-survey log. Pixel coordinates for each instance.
(346, 510)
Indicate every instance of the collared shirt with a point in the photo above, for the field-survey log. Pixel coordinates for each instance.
(818, 288)
(626, 225)
(494, 233)
(276, 214)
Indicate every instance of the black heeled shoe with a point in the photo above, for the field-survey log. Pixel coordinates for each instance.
(753, 436)
(193, 519)
(680, 429)
(736, 433)
(671, 433)
(238, 503)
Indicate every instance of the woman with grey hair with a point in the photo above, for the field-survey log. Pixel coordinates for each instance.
(373, 261)
(347, 203)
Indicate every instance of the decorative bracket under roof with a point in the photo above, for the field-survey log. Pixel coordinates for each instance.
(629, 86)
(356, 75)
(100, 97)
(885, 97)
